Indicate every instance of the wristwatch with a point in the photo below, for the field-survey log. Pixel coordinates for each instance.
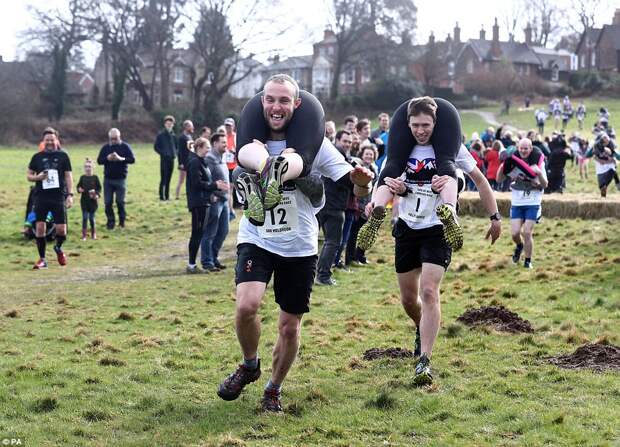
(495, 216)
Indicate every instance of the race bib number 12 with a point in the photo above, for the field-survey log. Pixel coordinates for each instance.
(281, 220)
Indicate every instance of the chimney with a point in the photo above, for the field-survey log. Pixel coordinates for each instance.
(528, 34)
(617, 17)
(431, 39)
(457, 33)
(482, 33)
(495, 31)
(327, 33)
(496, 51)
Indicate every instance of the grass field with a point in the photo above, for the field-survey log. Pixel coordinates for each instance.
(122, 348)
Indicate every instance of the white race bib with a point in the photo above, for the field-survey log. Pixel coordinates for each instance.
(52, 181)
(281, 220)
(419, 205)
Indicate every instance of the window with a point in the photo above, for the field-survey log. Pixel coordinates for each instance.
(593, 60)
(527, 70)
(350, 76)
(470, 66)
(178, 95)
(136, 98)
(365, 76)
(178, 74)
(330, 51)
(555, 73)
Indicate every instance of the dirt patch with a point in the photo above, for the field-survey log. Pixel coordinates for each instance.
(391, 353)
(596, 356)
(497, 317)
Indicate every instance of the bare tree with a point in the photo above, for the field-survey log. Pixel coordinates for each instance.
(586, 12)
(546, 18)
(59, 32)
(362, 29)
(222, 57)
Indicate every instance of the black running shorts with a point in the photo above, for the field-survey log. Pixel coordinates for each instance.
(415, 247)
(292, 277)
(57, 208)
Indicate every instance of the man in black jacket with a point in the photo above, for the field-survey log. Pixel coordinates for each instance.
(560, 153)
(199, 188)
(183, 146)
(115, 156)
(332, 216)
(166, 146)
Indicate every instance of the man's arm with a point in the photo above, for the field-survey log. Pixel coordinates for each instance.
(101, 158)
(488, 201)
(69, 184)
(129, 157)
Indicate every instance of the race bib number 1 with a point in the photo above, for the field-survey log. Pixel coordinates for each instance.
(52, 180)
(281, 220)
(419, 204)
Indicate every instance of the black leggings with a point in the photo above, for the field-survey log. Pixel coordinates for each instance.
(446, 141)
(198, 223)
(305, 131)
(166, 166)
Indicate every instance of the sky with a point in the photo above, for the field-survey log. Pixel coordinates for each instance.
(308, 19)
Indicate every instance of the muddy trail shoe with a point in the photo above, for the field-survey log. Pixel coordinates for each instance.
(40, 265)
(60, 256)
(517, 253)
(452, 231)
(271, 401)
(369, 232)
(231, 388)
(271, 181)
(417, 351)
(423, 374)
(251, 197)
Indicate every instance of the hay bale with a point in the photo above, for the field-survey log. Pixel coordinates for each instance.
(566, 206)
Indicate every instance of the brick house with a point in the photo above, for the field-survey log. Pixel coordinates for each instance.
(586, 49)
(608, 46)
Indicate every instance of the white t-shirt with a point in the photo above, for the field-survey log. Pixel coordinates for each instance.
(417, 208)
(291, 228)
(602, 168)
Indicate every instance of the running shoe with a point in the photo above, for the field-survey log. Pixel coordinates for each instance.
(192, 269)
(60, 255)
(418, 343)
(271, 179)
(369, 232)
(528, 265)
(231, 388)
(452, 231)
(271, 401)
(517, 254)
(325, 282)
(252, 198)
(40, 264)
(219, 265)
(423, 374)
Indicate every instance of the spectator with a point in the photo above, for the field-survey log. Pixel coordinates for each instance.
(580, 115)
(229, 159)
(330, 131)
(218, 215)
(363, 130)
(579, 147)
(354, 254)
(560, 152)
(476, 152)
(488, 136)
(89, 187)
(115, 156)
(541, 117)
(332, 215)
(199, 187)
(167, 148)
(491, 158)
(384, 126)
(183, 146)
(537, 142)
(205, 132)
(350, 122)
(505, 137)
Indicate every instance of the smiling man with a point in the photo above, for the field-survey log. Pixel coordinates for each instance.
(285, 245)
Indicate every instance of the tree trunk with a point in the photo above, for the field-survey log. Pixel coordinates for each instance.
(333, 92)
(119, 77)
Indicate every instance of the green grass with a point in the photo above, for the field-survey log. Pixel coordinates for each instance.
(120, 347)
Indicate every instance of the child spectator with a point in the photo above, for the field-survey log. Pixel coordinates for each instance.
(90, 188)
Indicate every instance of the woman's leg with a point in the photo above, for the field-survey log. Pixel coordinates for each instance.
(198, 218)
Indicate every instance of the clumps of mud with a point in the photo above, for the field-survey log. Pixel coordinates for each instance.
(391, 353)
(497, 317)
(596, 356)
